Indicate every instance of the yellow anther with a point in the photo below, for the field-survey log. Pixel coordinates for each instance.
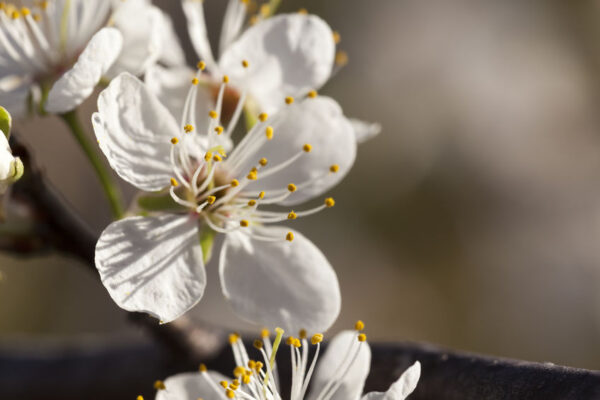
(290, 341)
(217, 158)
(312, 94)
(263, 161)
(159, 385)
(208, 156)
(264, 333)
(329, 202)
(334, 168)
(251, 203)
(201, 65)
(258, 366)
(174, 140)
(174, 182)
(359, 325)
(195, 81)
(261, 195)
(15, 15)
(230, 394)
(362, 337)
(211, 199)
(307, 148)
(297, 343)
(302, 334)
(236, 382)
(316, 338)
(253, 20)
(233, 337)
(269, 132)
(258, 344)
(219, 130)
(225, 79)
(188, 128)
(289, 100)
(337, 37)
(202, 368)
(292, 215)
(263, 117)
(37, 17)
(213, 114)
(289, 237)
(252, 176)
(246, 379)
(265, 10)
(244, 223)
(303, 11)
(25, 11)
(341, 58)
(245, 63)
(239, 371)
(292, 188)
(140, 397)
(235, 183)
(224, 384)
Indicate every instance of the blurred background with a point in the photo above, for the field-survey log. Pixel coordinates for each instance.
(472, 221)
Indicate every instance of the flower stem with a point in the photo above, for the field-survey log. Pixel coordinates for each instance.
(111, 190)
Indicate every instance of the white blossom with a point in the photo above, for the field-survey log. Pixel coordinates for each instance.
(68, 46)
(339, 375)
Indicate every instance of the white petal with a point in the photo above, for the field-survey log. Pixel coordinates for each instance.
(320, 123)
(192, 386)
(232, 23)
(288, 55)
(78, 83)
(286, 284)
(142, 40)
(152, 264)
(365, 130)
(134, 132)
(400, 389)
(171, 52)
(339, 354)
(194, 12)
(6, 158)
(14, 92)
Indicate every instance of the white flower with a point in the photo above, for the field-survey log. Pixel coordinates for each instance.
(155, 264)
(70, 45)
(339, 375)
(11, 168)
(287, 55)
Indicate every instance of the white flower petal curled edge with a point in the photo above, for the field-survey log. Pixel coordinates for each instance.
(268, 273)
(339, 375)
(69, 45)
(287, 55)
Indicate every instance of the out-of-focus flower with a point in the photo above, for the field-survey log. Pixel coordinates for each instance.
(285, 55)
(339, 375)
(63, 48)
(155, 264)
(11, 168)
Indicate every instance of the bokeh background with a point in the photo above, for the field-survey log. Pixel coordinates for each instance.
(472, 221)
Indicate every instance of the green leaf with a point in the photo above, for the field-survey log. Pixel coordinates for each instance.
(207, 239)
(5, 121)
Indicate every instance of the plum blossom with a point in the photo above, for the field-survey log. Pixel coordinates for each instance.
(63, 48)
(155, 263)
(288, 55)
(339, 375)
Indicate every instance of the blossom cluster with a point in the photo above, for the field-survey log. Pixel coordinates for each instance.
(171, 132)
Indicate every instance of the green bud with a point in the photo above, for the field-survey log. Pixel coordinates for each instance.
(5, 121)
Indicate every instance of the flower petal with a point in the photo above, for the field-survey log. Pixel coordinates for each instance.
(400, 389)
(365, 130)
(142, 40)
(134, 132)
(194, 12)
(288, 55)
(286, 284)
(78, 83)
(320, 123)
(192, 386)
(152, 264)
(14, 92)
(341, 351)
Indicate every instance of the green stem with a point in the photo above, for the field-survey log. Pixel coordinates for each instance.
(110, 189)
